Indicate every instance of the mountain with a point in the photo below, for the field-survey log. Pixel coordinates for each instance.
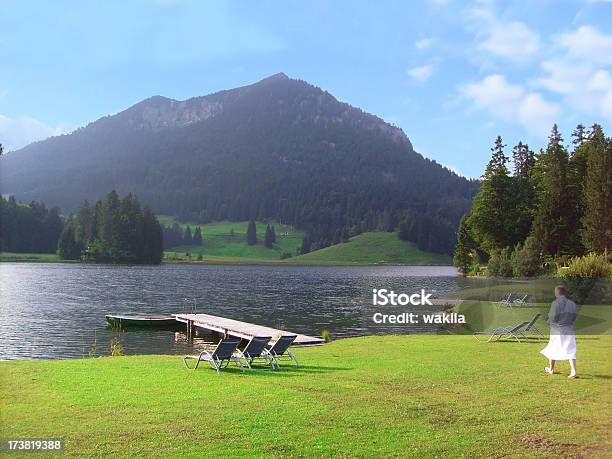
(280, 148)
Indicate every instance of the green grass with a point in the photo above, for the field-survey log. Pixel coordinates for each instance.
(225, 242)
(373, 248)
(592, 319)
(423, 396)
(33, 257)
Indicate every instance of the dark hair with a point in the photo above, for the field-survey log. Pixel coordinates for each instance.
(560, 289)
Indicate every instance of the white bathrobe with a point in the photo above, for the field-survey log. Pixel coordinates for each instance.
(562, 341)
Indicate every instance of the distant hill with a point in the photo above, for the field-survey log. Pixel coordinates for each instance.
(373, 248)
(278, 149)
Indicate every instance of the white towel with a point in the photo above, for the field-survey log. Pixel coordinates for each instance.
(560, 347)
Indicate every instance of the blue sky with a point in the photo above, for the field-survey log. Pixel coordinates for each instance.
(453, 75)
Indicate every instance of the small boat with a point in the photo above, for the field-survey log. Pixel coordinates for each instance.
(141, 320)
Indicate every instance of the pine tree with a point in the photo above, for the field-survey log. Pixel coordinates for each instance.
(153, 250)
(523, 191)
(67, 246)
(579, 136)
(251, 233)
(273, 235)
(523, 160)
(268, 237)
(464, 250)
(493, 213)
(197, 236)
(597, 220)
(83, 223)
(553, 218)
(109, 224)
(187, 238)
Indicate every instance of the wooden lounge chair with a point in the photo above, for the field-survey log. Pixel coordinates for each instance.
(516, 332)
(280, 350)
(255, 350)
(220, 357)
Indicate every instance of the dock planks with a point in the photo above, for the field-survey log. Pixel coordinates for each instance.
(241, 329)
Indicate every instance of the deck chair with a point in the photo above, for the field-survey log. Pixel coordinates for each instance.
(220, 357)
(521, 301)
(531, 328)
(505, 301)
(516, 332)
(255, 350)
(280, 350)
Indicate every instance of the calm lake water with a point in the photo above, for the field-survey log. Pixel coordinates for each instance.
(57, 310)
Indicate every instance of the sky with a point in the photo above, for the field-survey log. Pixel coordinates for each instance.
(452, 74)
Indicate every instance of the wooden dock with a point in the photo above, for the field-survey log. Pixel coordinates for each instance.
(240, 329)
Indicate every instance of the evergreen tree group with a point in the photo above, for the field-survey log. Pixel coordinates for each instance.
(113, 230)
(28, 228)
(175, 236)
(556, 203)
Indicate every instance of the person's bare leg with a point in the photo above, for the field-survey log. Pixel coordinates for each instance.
(573, 373)
(550, 369)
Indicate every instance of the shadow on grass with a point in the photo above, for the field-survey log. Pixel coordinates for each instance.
(285, 371)
(590, 376)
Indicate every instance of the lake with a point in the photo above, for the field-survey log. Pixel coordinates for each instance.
(50, 311)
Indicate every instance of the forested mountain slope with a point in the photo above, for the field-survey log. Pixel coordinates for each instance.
(280, 149)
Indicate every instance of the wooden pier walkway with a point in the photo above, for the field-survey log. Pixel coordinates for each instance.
(240, 329)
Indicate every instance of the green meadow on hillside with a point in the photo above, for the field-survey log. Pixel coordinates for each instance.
(373, 248)
(228, 240)
(378, 396)
(225, 242)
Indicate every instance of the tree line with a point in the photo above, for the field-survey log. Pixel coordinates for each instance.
(174, 236)
(29, 228)
(554, 205)
(112, 230)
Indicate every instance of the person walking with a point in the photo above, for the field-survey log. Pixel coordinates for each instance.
(562, 341)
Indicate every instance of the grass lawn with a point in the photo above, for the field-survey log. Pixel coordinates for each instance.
(424, 396)
(225, 242)
(373, 248)
(33, 257)
(592, 319)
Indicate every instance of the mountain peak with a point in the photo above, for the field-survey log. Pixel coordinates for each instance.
(276, 77)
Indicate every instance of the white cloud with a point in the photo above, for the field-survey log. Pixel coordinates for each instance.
(581, 72)
(18, 132)
(510, 102)
(423, 43)
(511, 40)
(514, 41)
(421, 73)
(588, 44)
(440, 2)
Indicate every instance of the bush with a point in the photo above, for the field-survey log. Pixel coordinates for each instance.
(587, 278)
(525, 259)
(285, 255)
(591, 266)
(325, 335)
(499, 263)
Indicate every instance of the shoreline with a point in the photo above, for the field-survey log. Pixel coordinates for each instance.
(220, 261)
